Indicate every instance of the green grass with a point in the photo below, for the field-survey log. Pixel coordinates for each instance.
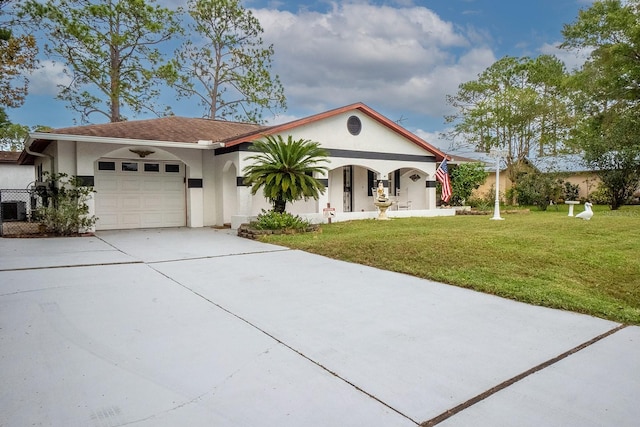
(543, 258)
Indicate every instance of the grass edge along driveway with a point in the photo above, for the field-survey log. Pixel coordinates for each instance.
(543, 258)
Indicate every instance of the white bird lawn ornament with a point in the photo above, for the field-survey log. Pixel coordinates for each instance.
(587, 213)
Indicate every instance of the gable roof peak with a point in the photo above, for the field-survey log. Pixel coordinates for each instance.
(360, 106)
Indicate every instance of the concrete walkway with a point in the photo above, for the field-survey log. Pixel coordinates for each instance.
(198, 327)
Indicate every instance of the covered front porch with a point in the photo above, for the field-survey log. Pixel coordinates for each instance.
(350, 193)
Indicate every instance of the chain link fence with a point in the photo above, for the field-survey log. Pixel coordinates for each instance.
(19, 211)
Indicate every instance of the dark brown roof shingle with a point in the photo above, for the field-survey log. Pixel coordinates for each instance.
(188, 130)
(171, 128)
(9, 156)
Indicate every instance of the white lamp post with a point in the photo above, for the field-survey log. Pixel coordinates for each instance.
(496, 210)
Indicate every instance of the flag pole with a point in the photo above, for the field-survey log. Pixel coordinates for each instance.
(496, 209)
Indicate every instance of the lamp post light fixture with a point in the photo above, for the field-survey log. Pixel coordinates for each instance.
(498, 154)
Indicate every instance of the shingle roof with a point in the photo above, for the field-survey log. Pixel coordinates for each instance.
(187, 130)
(562, 163)
(9, 156)
(455, 159)
(171, 128)
(571, 163)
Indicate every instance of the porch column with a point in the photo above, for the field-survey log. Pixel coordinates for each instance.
(324, 198)
(195, 203)
(431, 193)
(244, 200)
(241, 212)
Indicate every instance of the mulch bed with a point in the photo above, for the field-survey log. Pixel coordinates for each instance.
(476, 212)
(246, 231)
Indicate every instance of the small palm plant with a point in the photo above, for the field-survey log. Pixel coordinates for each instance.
(285, 170)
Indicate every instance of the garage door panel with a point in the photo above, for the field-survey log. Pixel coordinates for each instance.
(153, 185)
(172, 199)
(130, 184)
(177, 187)
(106, 201)
(153, 220)
(153, 202)
(129, 202)
(173, 219)
(109, 184)
(130, 220)
(108, 221)
(135, 199)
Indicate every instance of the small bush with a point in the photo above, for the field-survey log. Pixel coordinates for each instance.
(486, 201)
(464, 179)
(571, 191)
(271, 220)
(65, 209)
(538, 189)
(601, 196)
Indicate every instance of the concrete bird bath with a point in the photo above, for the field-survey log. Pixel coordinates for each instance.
(571, 204)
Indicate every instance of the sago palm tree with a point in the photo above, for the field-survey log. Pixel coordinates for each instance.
(285, 170)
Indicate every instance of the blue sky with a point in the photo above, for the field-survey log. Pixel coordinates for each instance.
(400, 57)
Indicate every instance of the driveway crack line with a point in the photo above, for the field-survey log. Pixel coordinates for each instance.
(298, 352)
(482, 396)
(166, 261)
(72, 266)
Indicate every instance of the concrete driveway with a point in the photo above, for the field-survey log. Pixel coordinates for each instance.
(198, 327)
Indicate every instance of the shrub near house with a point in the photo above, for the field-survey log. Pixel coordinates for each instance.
(65, 210)
(465, 178)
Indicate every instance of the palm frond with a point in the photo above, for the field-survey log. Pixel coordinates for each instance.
(285, 168)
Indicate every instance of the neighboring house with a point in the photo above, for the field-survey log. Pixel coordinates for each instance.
(176, 171)
(569, 168)
(15, 180)
(14, 176)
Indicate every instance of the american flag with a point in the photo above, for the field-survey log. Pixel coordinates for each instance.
(442, 175)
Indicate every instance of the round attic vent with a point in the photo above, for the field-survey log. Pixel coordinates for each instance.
(354, 125)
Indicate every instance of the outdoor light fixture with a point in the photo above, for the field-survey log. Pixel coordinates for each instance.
(141, 153)
(414, 177)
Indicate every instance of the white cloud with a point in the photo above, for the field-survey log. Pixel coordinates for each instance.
(457, 146)
(280, 119)
(436, 139)
(172, 4)
(405, 59)
(573, 59)
(45, 80)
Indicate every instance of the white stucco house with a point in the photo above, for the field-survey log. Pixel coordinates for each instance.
(175, 171)
(13, 175)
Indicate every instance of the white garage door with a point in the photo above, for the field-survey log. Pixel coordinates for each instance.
(139, 194)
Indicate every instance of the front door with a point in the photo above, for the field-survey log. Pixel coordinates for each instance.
(347, 197)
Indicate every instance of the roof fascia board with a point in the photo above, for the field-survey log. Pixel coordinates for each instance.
(121, 141)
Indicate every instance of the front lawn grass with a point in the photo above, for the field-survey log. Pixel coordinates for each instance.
(543, 258)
